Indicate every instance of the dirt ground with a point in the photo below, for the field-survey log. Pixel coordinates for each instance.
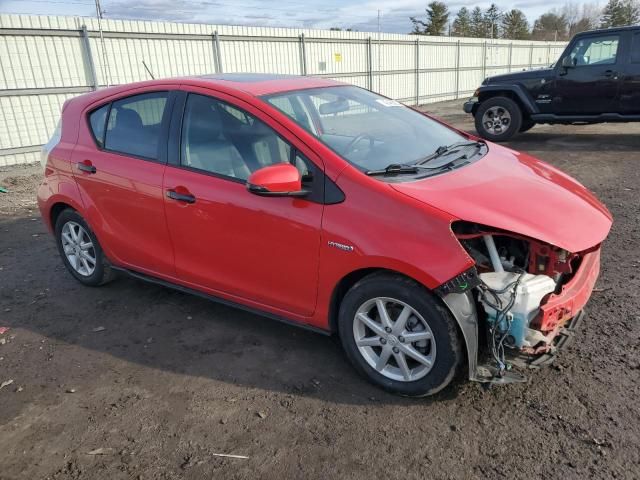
(134, 380)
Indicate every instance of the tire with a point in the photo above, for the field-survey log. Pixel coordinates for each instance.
(427, 318)
(527, 124)
(68, 224)
(503, 114)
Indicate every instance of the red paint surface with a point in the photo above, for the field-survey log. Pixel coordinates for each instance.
(273, 253)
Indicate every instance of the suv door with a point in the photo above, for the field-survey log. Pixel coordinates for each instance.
(591, 85)
(261, 251)
(630, 89)
(118, 166)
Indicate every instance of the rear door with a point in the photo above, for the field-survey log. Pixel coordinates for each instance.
(592, 85)
(261, 251)
(118, 164)
(630, 89)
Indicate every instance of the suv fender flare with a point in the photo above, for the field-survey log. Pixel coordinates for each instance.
(518, 92)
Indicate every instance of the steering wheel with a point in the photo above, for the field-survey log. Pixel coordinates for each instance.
(358, 139)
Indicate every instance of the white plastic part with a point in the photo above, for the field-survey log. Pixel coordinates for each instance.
(493, 253)
(529, 293)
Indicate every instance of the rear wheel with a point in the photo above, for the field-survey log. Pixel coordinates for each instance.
(80, 250)
(498, 119)
(398, 336)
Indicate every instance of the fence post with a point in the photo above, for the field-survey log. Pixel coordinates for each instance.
(370, 63)
(548, 53)
(417, 71)
(531, 56)
(89, 56)
(216, 39)
(303, 54)
(484, 60)
(510, 56)
(214, 50)
(458, 69)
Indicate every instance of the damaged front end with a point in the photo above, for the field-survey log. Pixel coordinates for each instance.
(523, 296)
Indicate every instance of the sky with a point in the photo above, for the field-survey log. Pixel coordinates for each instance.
(361, 15)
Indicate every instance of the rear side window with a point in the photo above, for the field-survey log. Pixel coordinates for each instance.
(98, 120)
(635, 48)
(134, 124)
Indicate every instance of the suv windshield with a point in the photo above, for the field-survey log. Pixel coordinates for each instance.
(366, 129)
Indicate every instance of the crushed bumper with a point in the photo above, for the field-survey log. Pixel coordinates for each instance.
(561, 307)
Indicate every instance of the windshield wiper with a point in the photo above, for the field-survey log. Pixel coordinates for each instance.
(448, 149)
(394, 169)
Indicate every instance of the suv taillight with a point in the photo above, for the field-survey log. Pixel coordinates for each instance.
(53, 141)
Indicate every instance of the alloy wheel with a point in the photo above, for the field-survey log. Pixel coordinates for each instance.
(496, 120)
(394, 339)
(78, 248)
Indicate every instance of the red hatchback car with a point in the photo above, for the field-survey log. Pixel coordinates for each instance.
(428, 251)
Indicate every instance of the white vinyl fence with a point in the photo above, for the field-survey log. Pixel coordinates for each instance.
(46, 59)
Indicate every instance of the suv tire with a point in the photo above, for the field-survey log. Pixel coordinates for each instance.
(418, 366)
(80, 250)
(498, 119)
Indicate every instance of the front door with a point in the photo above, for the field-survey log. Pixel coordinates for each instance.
(591, 85)
(118, 168)
(257, 250)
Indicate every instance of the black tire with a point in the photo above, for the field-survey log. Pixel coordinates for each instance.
(448, 345)
(102, 272)
(514, 121)
(527, 124)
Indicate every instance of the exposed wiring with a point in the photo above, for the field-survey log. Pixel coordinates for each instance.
(498, 335)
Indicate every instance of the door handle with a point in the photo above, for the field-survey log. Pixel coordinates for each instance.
(87, 167)
(181, 197)
(610, 73)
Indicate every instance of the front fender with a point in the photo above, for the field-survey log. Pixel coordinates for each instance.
(517, 91)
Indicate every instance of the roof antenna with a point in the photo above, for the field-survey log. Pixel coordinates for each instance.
(148, 71)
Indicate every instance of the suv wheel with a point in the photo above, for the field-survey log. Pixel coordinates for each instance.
(80, 251)
(398, 337)
(498, 119)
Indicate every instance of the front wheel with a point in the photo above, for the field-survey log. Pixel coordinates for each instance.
(398, 336)
(498, 119)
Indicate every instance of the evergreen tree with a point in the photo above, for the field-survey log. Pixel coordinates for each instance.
(515, 25)
(437, 20)
(492, 20)
(620, 13)
(550, 27)
(478, 25)
(462, 24)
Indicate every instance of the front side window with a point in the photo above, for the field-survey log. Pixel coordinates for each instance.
(134, 124)
(595, 51)
(366, 129)
(222, 139)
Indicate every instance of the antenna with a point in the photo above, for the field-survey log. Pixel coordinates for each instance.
(148, 71)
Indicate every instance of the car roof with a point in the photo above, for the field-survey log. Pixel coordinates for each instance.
(609, 30)
(253, 84)
(262, 83)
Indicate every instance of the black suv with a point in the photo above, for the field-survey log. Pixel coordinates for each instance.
(597, 79)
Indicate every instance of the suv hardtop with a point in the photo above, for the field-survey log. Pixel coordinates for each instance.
(596, 79)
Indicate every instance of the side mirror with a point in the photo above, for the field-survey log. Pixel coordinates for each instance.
(568, 62)
(279, 180)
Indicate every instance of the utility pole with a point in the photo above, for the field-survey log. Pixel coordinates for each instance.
(107, 69)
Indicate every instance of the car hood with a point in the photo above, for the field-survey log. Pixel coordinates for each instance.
(518, 76)
(516, 192)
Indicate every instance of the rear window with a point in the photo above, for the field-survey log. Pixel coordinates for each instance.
(98, 120)
(134, 124)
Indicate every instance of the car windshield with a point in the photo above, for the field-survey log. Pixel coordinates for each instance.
(368, 130)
